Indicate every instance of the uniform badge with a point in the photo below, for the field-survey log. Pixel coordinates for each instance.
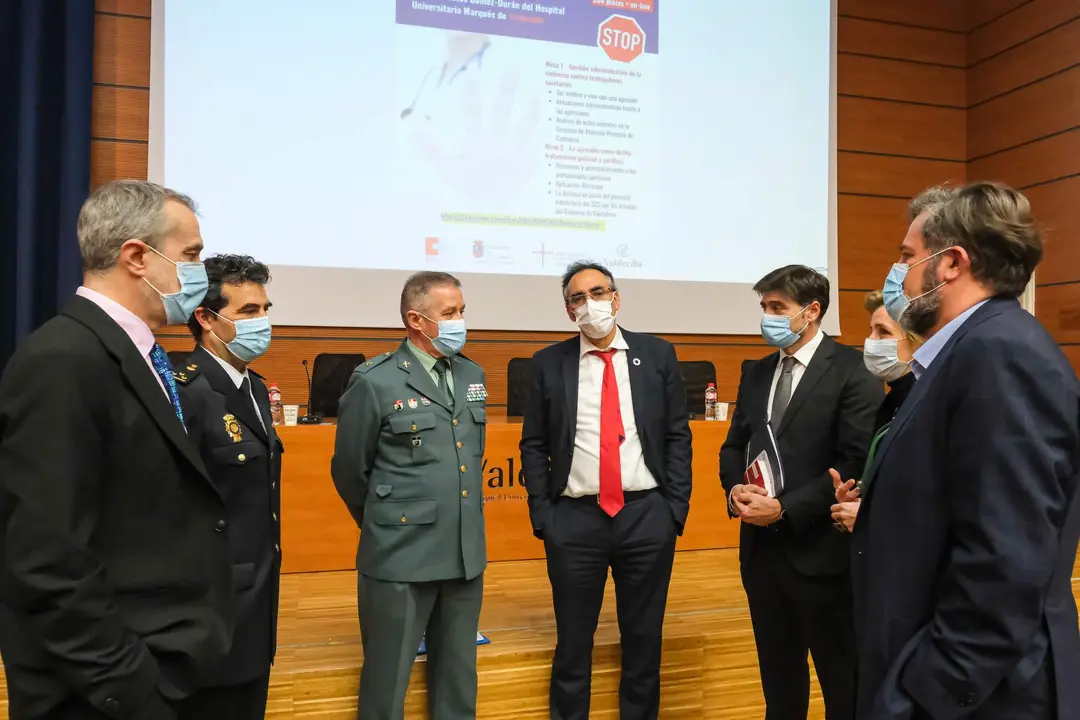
(412, 403)
(476, 393)
(416, 442)
(405, 364)
(232, 427)
(398, 405)
(192, 367)
(425, 401)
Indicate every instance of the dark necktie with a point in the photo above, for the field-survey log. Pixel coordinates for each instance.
(782, 396)
(245, 390)
(442, 366)
(612, 433)
(164, 370)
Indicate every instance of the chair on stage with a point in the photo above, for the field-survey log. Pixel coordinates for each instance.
(329, 377)
(696, 376)
(517, 386)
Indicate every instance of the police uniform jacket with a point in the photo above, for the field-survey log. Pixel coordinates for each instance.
(407, 463)
(243, 454)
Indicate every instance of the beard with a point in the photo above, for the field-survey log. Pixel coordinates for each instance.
(924, 311)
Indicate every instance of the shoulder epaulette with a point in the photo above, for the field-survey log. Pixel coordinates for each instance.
(467, 359)
(186, 374)
(367, 365)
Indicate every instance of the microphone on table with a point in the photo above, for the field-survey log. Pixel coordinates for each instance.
(309, 418)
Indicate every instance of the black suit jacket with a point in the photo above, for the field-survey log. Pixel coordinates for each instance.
(966, 539)
(115, 574)
(550, 424)
(244, 460)
(827, 424)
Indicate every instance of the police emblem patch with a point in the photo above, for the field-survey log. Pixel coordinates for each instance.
(232, 427)
(398, 405)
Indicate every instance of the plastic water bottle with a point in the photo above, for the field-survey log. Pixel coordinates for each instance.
(277, 410)
(710, 402)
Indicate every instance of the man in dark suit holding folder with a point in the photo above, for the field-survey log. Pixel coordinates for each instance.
(810, 407)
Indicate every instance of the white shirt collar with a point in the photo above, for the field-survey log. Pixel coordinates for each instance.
(617, 343)
(235, 375)
(806, 353)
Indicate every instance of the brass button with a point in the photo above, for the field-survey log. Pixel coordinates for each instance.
(460, 444)
(455, 422)
(464, 493)
(463, 468)
(414, 427)
(242, 457)
(403, 518)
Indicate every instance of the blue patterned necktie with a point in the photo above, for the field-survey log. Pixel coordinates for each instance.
(164, 370)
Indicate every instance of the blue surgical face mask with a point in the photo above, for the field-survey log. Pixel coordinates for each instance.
(193, 284)
(252, 337)
(451, 337)
(776, 329)
(896, 302)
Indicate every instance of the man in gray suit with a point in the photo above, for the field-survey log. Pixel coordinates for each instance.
(407, 461)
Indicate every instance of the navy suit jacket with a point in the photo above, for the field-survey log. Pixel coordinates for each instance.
(965, 543)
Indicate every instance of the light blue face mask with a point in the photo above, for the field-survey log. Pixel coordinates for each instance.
(776, 329)
(193, 284)
(252, 337)
(896, 302)
(451, 337)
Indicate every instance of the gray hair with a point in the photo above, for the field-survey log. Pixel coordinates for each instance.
(414, 294)
(120, 211)
(929, 200)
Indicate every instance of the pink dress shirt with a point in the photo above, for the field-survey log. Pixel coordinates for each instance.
(139, 332)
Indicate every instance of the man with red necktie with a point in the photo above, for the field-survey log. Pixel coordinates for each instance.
(606, 450)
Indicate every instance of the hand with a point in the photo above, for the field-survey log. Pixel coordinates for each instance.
(845, 491)
(757, 508)
(739, 492)
(844, 514)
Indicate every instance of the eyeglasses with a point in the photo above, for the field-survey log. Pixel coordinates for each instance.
(597, 293)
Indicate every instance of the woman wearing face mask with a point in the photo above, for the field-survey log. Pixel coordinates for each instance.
(887, 354)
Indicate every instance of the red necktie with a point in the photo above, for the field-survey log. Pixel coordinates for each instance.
(611, 438)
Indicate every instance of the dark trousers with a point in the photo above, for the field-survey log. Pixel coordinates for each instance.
(242, 701)
(794, 614)
(638, 544)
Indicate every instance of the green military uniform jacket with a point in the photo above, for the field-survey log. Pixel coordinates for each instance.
(407, 463)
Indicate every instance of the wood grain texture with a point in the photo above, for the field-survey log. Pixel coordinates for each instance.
(898, 128)
(1056, 51)
(873, 229)
(1055, 157)
(1058, 308)
(980, 12)
(1019, 26)
(112, 160)
(937, 14)
(897, 177)
(898, 80)
(1072, 352)
(1032, 112)
(124, 7)
(1057, 210)
(900, 42)
(121, 113)
(122, 50)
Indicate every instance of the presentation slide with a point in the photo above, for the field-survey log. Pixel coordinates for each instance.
(687, 145)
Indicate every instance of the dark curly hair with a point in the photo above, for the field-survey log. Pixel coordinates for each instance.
(227, 270)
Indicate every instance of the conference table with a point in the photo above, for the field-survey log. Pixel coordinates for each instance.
(318, 534)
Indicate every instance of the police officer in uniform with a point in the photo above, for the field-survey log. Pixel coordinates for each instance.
(227, 410)
(407, 461)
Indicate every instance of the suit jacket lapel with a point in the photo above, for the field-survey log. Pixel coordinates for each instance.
(819, 365)
(570, 371)
(139, 375)
(236, 402)
(262, 397)
(461, 386)
(419, 379)
(637, 370)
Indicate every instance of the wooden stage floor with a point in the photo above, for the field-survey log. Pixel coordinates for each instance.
(709, 662)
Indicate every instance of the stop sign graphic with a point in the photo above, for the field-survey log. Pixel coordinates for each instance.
(621, 38)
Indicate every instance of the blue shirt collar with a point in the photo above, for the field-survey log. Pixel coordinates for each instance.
(925, 355)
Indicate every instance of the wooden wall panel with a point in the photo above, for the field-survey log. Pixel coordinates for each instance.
(1057, 156)
(982, 12)
(1029, 113)
(1056, 51)
(1055, 205)
(1058, 307)
(901, 128)
(1021, 25)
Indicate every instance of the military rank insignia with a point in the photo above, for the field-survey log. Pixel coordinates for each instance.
(398, 405)
(412, 403)
(476, 393)
(232, 427)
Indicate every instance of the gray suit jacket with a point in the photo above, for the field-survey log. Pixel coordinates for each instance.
(408, 467)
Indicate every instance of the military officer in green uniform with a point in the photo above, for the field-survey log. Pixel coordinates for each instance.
(407, 462)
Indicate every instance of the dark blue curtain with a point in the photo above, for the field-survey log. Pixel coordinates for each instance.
(46, 87)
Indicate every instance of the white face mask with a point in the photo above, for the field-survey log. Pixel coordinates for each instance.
(881, 359)
(595, 318)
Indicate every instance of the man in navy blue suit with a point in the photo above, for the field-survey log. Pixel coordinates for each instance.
(967, 535)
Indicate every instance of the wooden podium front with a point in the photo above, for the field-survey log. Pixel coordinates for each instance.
(318, 534)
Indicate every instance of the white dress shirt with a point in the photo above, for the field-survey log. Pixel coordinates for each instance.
(238, 379)
(802, 356)
(585, 466)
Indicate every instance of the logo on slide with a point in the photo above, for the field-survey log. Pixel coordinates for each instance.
(431, 246)
(543, 252)
(621, 38)
(478, 248)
